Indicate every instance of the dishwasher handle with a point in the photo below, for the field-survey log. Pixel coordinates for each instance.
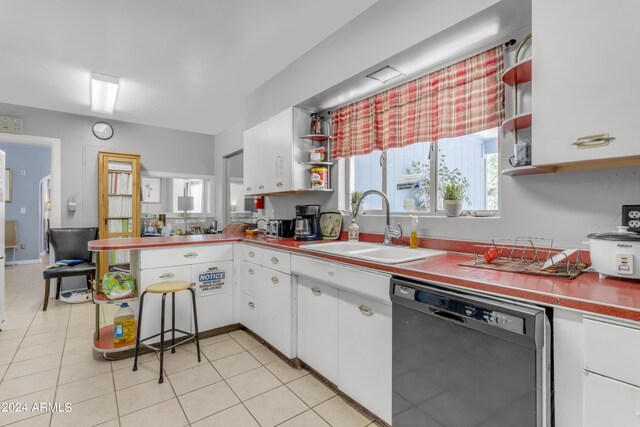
(447, 315)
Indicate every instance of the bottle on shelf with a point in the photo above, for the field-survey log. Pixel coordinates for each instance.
(124, 325)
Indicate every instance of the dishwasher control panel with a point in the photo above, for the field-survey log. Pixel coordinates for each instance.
(464, 309)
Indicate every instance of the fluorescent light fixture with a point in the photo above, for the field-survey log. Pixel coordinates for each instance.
(104, 90)
(385, 74)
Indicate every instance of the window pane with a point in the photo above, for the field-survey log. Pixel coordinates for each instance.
(188, 187)
(471, 159)
(367, 175)
(408, 177)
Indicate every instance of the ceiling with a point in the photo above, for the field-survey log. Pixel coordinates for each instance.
(184, 65)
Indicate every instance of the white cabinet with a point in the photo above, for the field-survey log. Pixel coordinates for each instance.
(577, 79)
(215, 308)
(607, 402)
(318, 327)
(364, 352)
(268, 297)
(273, 152)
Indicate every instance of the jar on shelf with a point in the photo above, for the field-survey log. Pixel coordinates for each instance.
(319, 178)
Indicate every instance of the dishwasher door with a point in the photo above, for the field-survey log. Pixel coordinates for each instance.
(465, 361)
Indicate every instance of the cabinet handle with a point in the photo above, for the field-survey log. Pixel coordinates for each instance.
(248, 188)
(251, 271)
(593, 141)
(279, 184)
(274, 279)
(261, 187)
(331, 273)
(315, 291)
(212, 269)
(190, 255)
(366, 310)
(251, 254)
(166, 276)
(251, 305)
(275, 260)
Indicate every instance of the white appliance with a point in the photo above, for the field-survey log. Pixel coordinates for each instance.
(2, 258)
(616, 253)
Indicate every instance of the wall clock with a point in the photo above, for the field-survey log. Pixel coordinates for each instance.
(102, 130)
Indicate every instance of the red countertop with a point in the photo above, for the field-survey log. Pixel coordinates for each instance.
(611, 296)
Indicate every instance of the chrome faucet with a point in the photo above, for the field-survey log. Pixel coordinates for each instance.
(389, 233)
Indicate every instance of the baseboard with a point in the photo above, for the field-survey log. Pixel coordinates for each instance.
(22, 261)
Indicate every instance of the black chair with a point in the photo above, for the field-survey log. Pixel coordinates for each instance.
(69, 244)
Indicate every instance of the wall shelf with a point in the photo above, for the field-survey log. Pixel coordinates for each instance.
(521, 121)
(526, 170)
(317, 163)
(518, 73)
(316, 138)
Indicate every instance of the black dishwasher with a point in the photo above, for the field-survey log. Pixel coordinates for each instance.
(460, 360)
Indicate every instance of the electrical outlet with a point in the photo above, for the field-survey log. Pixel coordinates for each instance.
(631, 217)
(23, 246)
(23, 210)
(23, 171)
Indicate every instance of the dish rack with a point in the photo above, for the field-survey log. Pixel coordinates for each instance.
(527, 255)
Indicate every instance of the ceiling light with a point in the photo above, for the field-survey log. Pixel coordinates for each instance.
(104, 90)
(385, 74)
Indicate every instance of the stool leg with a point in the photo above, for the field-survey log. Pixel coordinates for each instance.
(173, 321)
(195, 322)
(164, 298)
(135, 358)
(47, 287)
(58, 284)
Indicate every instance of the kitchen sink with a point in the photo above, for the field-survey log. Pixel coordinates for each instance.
(372, 251)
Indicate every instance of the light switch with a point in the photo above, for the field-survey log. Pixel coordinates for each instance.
(23, 210)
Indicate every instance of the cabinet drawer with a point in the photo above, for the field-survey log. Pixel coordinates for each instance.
(185, 255)
(251, 278)
(351, 279)
(277, 260)
(612, 350)
(252, 254)
(608, 402)
(163, 274)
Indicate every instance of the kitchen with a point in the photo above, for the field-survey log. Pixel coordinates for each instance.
(585, 385)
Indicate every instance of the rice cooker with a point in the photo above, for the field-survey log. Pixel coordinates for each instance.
(616, 253)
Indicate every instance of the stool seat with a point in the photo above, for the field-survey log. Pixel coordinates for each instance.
(168, 287)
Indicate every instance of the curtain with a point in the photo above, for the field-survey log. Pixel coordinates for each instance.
(464, 98)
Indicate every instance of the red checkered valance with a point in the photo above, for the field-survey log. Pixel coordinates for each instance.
(463, 98)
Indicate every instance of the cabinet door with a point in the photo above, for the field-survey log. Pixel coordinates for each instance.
(279, 157)
(215, 307)
(251, 314)
(251, 280)
(364, 352)
(153, 302)
(577, 88)
(318, 327)
(610, 403)
(278, 310)
(256, 144)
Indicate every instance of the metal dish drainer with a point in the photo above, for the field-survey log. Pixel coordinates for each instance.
(528, 255)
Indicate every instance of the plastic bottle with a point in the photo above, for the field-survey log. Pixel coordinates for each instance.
(353, 231)
(413, 243)
(124, 325)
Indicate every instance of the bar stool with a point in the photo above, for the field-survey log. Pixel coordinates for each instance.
(165, 288)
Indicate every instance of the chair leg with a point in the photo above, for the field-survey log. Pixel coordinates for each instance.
(164, 298)
(173, 321)
(14, 257)
(135, 357)
(47, 286)
(195, 322)
(58, 284)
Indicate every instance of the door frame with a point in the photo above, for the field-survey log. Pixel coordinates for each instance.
(226, 208)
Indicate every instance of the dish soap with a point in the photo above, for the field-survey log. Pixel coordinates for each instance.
(124, 325)
(353, 231)
(413, 242)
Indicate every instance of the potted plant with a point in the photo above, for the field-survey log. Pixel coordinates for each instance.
(454, 198)
(355, 196)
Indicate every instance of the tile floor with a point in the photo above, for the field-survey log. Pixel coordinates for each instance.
(46, 357)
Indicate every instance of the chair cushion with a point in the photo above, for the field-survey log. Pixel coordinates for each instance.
(70, 270)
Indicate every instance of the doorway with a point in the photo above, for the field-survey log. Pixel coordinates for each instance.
(44, 208)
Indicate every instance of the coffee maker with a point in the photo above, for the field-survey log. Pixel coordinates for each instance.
(307, 223)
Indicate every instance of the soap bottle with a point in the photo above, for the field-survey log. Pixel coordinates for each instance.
(413, 243)
(353, 231)
(124, 325)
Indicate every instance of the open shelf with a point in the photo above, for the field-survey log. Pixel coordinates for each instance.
(526, 170)
(521, 121)
(518, 73)
(100, 298)
(105, 343)
(317, 138)
(317, 163)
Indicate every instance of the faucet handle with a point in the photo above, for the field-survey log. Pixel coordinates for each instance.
(400, 227)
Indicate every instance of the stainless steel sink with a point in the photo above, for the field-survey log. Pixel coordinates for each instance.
(373, 251)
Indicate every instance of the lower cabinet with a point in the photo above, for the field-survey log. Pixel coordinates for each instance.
(318, 327)
(608, 402)
(215, 306)
(346, 337)
(364, 352)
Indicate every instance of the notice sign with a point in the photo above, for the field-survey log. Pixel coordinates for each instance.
(408, 186)
(408, 182)
(210, 282)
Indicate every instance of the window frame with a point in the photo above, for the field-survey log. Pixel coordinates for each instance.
(349, 169)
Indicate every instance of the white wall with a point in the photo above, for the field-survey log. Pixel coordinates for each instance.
(160, 149)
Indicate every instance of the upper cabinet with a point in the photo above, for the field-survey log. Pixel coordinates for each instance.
(276, 158)
(579, 99)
